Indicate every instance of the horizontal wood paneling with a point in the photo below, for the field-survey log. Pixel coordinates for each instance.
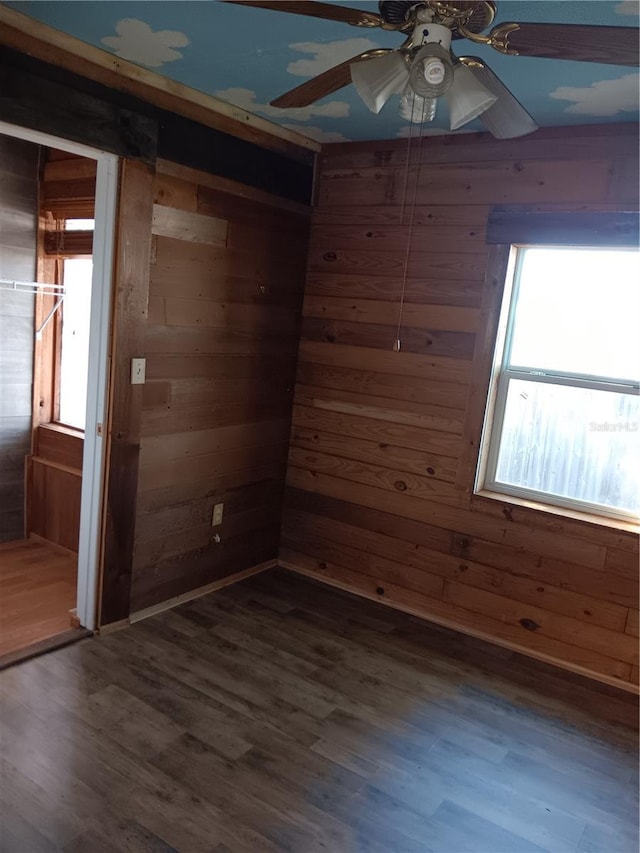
(384, 444)
(54, 478)
(18, 255)
(54, 502)
(68, 192)
(60, 445)
(225, 296)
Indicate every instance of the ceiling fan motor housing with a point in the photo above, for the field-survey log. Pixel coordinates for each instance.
(395, 11)
(477, 15)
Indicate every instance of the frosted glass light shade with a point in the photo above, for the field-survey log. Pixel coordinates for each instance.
(467, 98)
(377, 79)
(415, 109)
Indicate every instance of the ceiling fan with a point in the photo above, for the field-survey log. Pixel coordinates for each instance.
(424, 68)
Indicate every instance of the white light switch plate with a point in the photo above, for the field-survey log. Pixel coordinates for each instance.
(138, 367)
(216, 516)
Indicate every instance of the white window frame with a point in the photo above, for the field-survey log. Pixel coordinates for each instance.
(501, 374)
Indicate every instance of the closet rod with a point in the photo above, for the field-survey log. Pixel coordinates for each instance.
(30, 286)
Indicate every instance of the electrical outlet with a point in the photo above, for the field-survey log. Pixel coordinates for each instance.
(216, 517)
(138, 368)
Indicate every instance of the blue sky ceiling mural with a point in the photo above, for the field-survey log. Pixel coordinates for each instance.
(248, 56)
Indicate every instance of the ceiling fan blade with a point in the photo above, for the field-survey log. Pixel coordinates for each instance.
(580, 42)
(329, 11)
(324, 84)
(506, 118)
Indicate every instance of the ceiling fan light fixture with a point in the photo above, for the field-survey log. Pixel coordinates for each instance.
(467, 98)
(377, 79)
(431, 73)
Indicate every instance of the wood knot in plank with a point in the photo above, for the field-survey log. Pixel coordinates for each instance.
(380, 590)
(400, 485)
(330, 256)
(529, 624)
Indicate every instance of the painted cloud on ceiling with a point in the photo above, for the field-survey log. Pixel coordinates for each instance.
(325, 56)
(628, 7)
(139, 43)
(246, 99)
(604, 98)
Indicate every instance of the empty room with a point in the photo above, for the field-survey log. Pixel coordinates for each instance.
(319, 426)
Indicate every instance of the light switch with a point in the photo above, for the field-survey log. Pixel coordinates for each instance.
(138, 366)
(216, 516)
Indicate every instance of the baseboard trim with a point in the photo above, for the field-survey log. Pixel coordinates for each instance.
(112, 627)
(462, 629)
(35, 537)
(146, 612)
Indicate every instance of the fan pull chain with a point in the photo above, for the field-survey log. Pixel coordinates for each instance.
(397, 345)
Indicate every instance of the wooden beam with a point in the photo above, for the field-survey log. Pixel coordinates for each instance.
(68, 244)
(27, 35)
(513, 224)
(226, 185)
(37, 102)
(133, 251)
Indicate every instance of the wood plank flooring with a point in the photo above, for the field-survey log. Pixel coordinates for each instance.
(37, 591)
(281, 715)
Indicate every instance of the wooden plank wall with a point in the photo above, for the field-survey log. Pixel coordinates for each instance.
(384, 444)
(18, 235)
(225, 296)
(54, 472)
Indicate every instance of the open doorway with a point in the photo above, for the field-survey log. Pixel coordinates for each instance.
(57, 217)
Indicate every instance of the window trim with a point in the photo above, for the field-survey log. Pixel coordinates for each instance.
(485, 483)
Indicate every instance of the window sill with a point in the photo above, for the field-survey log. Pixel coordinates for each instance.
(64, 430)
(564, 512)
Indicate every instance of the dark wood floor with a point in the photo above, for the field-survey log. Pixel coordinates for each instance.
(279, 715)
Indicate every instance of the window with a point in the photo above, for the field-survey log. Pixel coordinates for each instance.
(65, 241)
(563, 426)
(74, 345)
(79, 224)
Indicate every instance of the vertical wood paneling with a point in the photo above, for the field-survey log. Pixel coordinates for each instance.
(384, 444)
(133, 243)
(226, 286)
